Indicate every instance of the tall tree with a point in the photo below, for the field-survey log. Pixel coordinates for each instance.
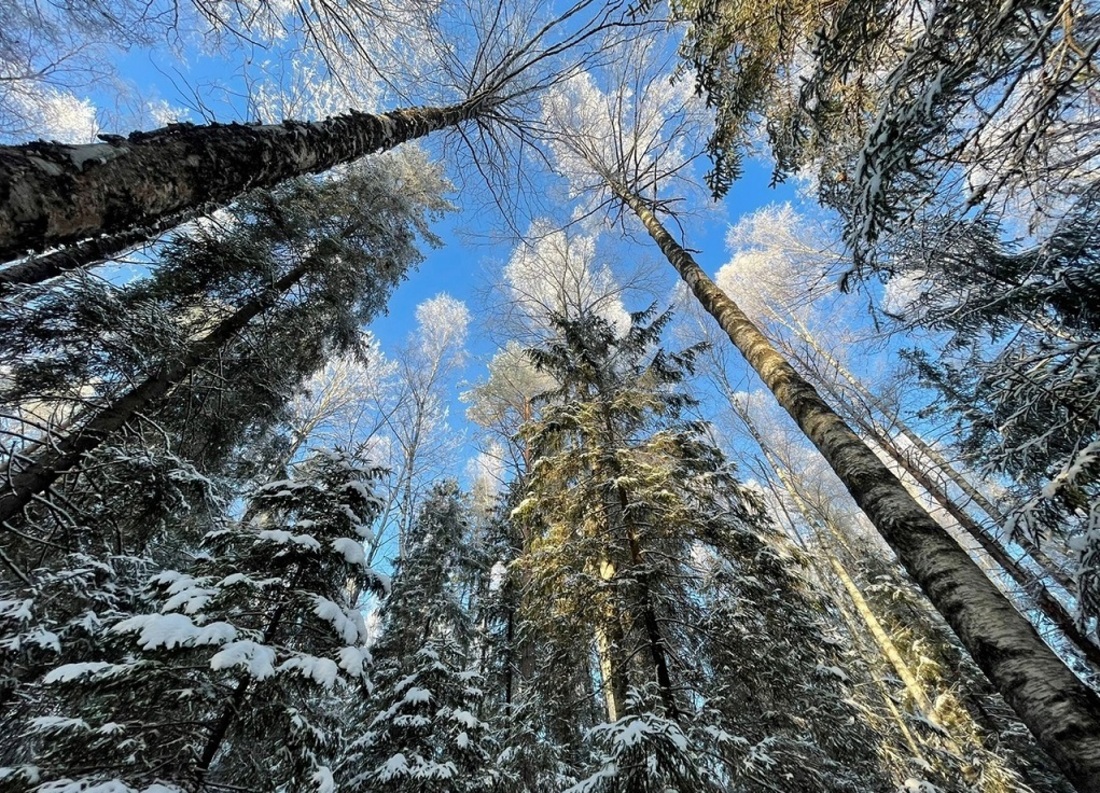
(626, 499)
(1062, 712)
(422, 728)
(55, 194)
(958, 144)
(52, 194)
(229, 676)
(778, 263)
(910, 642)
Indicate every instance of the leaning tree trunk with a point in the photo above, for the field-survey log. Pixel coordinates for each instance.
(1062, 713)
(886, 645)
(36, 269)
(55, 194)
(941, 463)
(55, 457)
(849, 621)
(1033, 586)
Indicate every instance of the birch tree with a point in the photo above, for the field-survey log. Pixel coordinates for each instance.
(415, 412)
(57, 195)
(958, 144)
(1047, 696)
(901, 624)
(768, 265)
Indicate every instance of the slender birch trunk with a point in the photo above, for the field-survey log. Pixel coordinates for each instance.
(610, 643)
(54, 194)
(887, 696)
(842, 606)
(1062, 713)
(54, 458)
(886, 645)
(933, 455)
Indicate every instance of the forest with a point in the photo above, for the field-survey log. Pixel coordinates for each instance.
(549, 396)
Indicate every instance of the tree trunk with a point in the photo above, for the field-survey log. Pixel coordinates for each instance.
(609, 648)
(1062, 713)
(36, 269)
(657, 649)
(854, 633)
(935, 457)
(1034, 587)
(1047, 603)
(54, 194)
(886, 645)
(56, 457)
(887, 697)
(220, 730)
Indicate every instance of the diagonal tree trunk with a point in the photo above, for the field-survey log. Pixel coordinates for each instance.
(53, 458)
(36, 269)
(1062, 713)
(1033, 586)
(926, 450)
(849, 620)
(54, 194)
(878, 633)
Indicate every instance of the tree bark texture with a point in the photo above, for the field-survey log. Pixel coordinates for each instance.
(43, 267)
(1034, 587)
(1062, 712)
(55, 194)
(940, 462)
(56, 456)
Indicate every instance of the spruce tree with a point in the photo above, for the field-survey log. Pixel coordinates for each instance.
(209, 349)
(646, 545)
(230, 677)
(423, 728)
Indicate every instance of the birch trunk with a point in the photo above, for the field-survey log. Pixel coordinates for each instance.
(886, 645)
(54, 458)
(1047, 603)
(609, 648)
(54, 194)
(1062, 713)
(1033, 586)
(854, 633)
(36, 269)
(933, 455)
